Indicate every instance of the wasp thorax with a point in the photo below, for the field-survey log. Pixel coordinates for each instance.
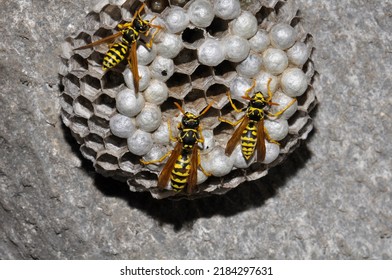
(203, 52)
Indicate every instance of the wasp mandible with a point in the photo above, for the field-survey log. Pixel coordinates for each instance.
(251, 130)
(130, 32)
(181, 167)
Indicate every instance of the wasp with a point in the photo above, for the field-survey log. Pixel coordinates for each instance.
(251, 130)
(127, 46)
(181, 167)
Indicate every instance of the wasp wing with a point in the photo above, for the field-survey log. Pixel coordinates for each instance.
(99, 42)
(132, 61)
(192, 180)
(167, 169)
(260, 145)
(236, 136)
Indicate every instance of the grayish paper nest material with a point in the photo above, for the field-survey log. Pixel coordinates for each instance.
(90, 100)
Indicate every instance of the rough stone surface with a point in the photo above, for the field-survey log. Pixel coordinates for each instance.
(330, 200)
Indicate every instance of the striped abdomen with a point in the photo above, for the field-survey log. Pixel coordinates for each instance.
(249, 139)
(180, 173)
(115, 55)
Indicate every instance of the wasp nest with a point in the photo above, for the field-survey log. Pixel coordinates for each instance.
(205, 49)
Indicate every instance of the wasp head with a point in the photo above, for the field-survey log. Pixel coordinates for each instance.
(258, 101)
(141, 25)
(190, 120)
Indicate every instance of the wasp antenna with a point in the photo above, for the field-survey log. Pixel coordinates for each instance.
(179, 107)
(246, 97)
(206, 109)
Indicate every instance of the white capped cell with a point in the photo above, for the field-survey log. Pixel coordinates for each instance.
(176, 19)
(128, 103)
(201, 13)
(284, 101)
(294, 82)
(236, 48)
(155, 153)
(217, 163)
(169, 45)
(272, 151)
(262, 83)
(275, 61)
(144, 55)
(227, 9)
(122, 126)
(238, 88)
(277, 129)
(260, 41)
(140, 143)
(250, 67)
(209, 142)
(245, 25)
(161, 135)
(156, 93)
(149, 118)
(162, 68)
(282, 36)
(144, 74)
(211, 52)
(298, 54)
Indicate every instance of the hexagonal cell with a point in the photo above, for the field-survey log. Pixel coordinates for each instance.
(78, 63)
(116, 144)
(112, 80)
(202, 77)
(218, 27)
(90, 87)
(80, 40)
(192, 37)
(110, 16)
(88, 153)
(83, 107)
(168, 108)
(99, 126)
(94, 142)
(92, 21)
(107, 162)
(218, 94)
(210, 119)
(225, 72)
(66, 102)
(179, 85)
(104, 106)
(186, 61)
(79, 126)
(71, 85)
(129, 162)
(100, 34)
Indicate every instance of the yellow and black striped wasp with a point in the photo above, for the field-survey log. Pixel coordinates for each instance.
(130, 32)
(181, 167)
(251, 130)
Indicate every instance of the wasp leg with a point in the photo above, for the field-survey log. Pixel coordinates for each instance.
(246, 95)
(277, 114)
(268, 137)
(269, 90)
(229, 122)
(156, 160)
(232, 103)
(208, 174)
(171, 137)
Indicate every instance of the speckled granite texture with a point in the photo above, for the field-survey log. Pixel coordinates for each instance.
(330, 200)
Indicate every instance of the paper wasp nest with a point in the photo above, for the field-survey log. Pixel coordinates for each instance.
(206, 48)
